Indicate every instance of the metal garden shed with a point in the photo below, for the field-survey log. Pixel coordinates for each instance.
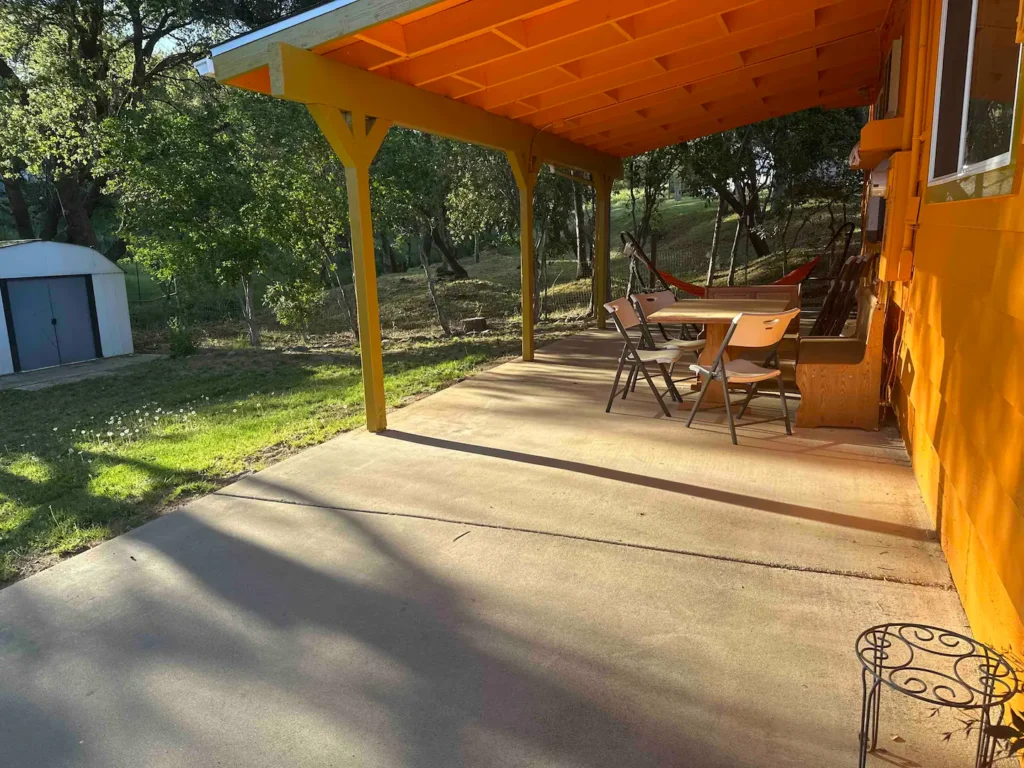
(60, 304)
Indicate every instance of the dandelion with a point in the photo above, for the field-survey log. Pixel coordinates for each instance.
(110, 434)
(234, 410)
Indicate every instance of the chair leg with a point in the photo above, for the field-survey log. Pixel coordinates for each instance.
(630, 385)
(728, 408)
(750, 396)
(785, 405)
(654, 389)
(700, 398)
(636, 376)
(671, 385)
(615, 384)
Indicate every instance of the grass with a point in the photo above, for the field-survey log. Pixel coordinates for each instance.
(86, 461)
(82, 462)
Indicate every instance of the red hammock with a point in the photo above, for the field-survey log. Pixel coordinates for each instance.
(798, 275)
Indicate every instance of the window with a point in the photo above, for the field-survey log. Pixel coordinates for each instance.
(888, 101)
(976, 92)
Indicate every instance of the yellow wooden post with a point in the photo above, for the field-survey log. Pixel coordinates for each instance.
(356, 140)
(602, 244)
(525, 168)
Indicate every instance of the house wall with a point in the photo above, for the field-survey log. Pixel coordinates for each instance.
(959, 387)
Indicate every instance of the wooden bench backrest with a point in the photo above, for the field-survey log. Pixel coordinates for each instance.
(790, 292)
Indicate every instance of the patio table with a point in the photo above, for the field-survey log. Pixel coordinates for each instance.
(716, 315)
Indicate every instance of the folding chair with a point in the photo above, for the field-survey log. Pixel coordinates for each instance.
(749, 330)
(625, 318)
(647, 304)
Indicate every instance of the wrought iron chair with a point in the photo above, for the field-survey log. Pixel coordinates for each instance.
(625, 319)
(749, 330)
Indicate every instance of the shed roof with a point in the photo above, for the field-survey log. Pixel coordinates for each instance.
(44, 258)
(613, 76)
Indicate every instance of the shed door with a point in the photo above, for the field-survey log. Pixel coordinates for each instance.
(52, 321)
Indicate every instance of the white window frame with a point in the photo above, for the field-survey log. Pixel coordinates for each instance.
(992, 163)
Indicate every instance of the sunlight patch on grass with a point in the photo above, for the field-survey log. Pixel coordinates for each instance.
(104, 455)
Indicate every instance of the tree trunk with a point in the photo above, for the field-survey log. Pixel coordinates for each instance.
(80, 230)
(734, 252)
(249, 310)
(540, 272)
(50, 222)
(353, 320)
(714, 241)
(754, 235)
(447, 253)
(425, 262)
(476, 247)
(389, 253)
(582, 239)
(19, 208)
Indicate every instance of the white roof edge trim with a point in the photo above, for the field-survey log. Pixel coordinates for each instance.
(279, 26)
(205, 67)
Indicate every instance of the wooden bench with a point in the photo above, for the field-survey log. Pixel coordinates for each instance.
(840, 377)
(788, 348)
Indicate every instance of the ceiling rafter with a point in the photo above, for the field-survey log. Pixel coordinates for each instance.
(612, 75)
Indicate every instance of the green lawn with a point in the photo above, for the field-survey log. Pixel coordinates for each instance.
(82, 462)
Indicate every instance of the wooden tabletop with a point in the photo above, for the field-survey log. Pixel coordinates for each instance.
(714, 310)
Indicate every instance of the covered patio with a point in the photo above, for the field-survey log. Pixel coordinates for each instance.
(506, 577)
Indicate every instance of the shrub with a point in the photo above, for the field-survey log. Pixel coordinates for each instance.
(183, 340)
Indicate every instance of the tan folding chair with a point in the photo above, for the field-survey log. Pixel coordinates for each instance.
(647, 304)
(749, 330)
(625, 319)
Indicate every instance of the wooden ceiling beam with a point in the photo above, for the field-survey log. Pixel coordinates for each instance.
(678, 75)
(302, 76)
(673, 80)
(849, 98)
(552, 49)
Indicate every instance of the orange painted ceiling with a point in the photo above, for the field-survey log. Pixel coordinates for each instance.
(625, 76)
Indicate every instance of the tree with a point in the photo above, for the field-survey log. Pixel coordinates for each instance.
(230, 188)
(69, 70)
(414, 173)
(648, 174)
(767, 170)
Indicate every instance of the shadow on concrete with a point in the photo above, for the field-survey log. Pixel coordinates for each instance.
(674, 486)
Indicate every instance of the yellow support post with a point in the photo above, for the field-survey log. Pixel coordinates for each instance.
(602, 244)
(525, 168)
(356, 140)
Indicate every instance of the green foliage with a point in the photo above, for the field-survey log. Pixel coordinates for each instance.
(646, 179)
(183, 341)
(296, 304)
(85, 461)
(227, 187)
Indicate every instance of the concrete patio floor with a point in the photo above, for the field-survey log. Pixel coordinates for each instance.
(507, 577)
